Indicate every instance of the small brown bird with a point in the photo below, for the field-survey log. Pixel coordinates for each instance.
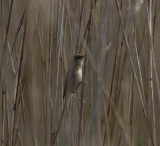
(74, 75)
(73, 79)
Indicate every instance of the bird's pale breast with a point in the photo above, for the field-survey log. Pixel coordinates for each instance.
(79, 72)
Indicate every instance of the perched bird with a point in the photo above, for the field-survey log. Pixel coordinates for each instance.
(74, 76)
(73, 79)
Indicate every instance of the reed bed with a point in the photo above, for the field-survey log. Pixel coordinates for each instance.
(121, 90)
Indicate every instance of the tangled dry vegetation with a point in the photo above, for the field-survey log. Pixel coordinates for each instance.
(120, 39)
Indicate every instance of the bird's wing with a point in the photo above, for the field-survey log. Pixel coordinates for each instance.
(68, 81)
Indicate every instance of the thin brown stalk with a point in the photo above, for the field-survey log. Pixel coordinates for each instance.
(69, 12)
(154, 21)
(80, 27)
(58, 55)
(139, 65)
(59, 43)
(152, 38)
(13, 68)
(6, 37)
(80, 133)
(131, 61)
(118, 84)
(60, 122)
(149, 10)
(7, 62)
(113, 108)
(118, 119)
(16, 87)
(20, 138)
(130, 113)
(3, 117)
(118, 91)
(49, 103)
(88, 27)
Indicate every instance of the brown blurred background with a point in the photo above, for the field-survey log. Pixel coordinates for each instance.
(120, 39)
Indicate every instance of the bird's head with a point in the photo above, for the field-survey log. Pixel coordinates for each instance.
(78, 59)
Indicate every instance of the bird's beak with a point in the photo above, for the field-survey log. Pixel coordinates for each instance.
(83, 56)
(79, 56)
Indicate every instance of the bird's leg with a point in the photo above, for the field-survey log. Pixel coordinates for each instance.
(79, 99)
(82, 82)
